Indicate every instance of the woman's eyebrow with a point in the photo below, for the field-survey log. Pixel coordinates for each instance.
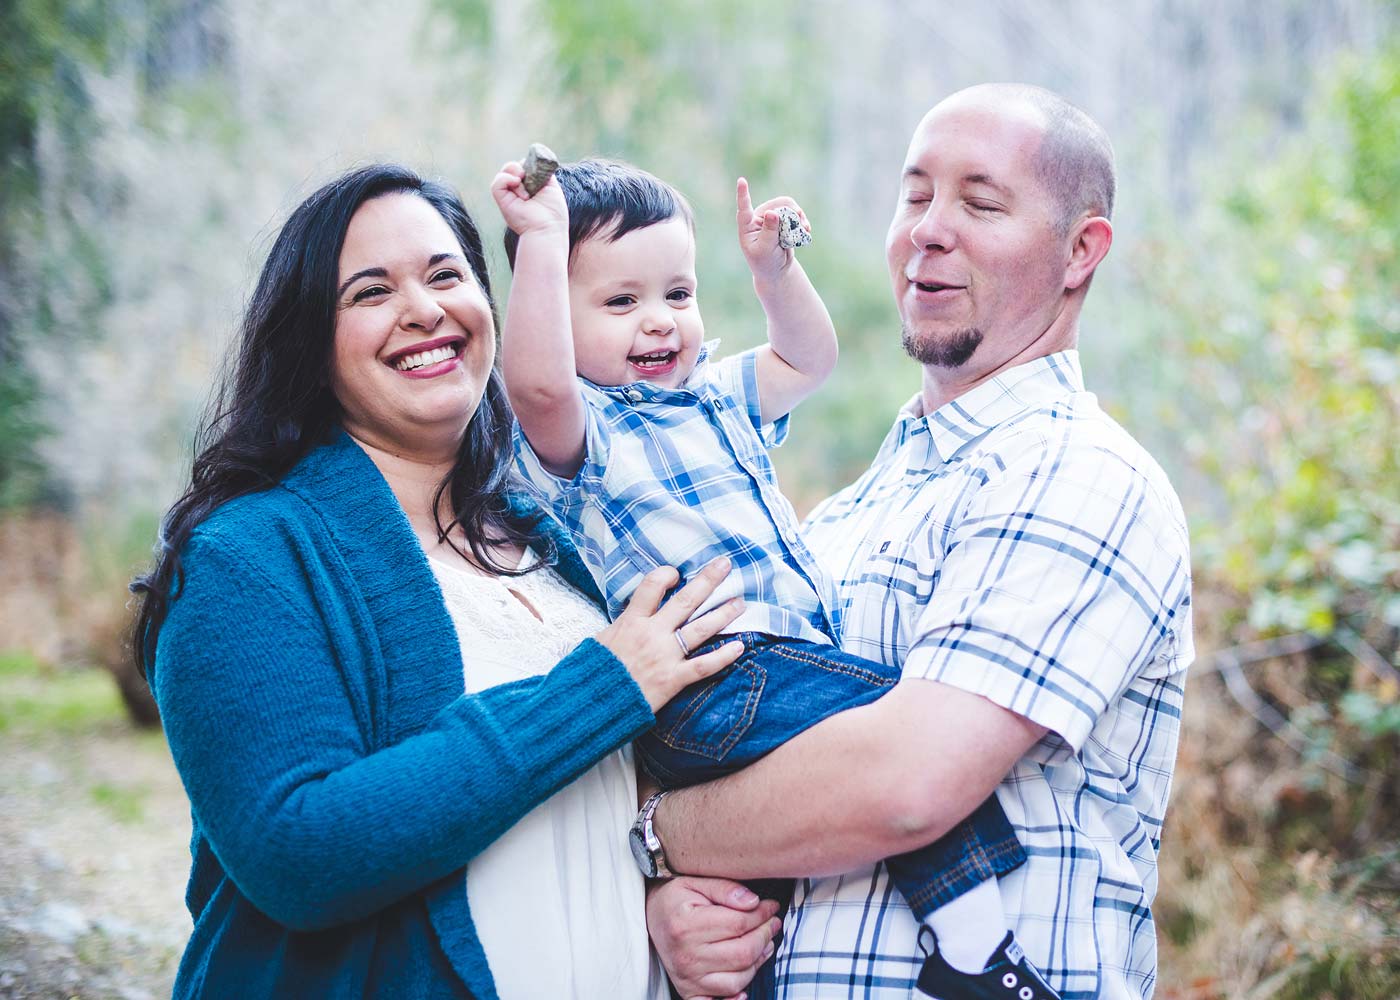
(379, 272)
(369, 272)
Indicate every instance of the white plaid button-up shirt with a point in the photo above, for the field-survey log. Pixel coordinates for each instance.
(1018, 544)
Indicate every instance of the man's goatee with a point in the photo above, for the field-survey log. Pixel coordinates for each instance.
(947, 352)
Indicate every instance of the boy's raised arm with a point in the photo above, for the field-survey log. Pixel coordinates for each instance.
(537, 346)
(801, 350)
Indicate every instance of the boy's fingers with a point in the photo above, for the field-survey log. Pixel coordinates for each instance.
(782, 201)
(745, 203)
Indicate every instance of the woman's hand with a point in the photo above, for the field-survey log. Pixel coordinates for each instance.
(644, 637)
(712, 934)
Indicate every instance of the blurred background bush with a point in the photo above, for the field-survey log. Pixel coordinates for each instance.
(1245, 326)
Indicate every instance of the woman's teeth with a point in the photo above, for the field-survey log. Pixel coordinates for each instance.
(421, 360)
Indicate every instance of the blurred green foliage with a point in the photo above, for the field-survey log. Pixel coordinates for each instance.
(1270, 321)
(1278, 320)
(45, 47)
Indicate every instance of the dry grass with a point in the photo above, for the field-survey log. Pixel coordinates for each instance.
(1278, 878)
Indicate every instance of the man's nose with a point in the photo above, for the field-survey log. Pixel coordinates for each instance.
(934, 230)
(421, 311)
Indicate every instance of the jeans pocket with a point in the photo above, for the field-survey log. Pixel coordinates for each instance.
(709, 718)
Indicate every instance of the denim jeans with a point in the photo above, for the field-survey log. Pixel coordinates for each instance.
(775, 690)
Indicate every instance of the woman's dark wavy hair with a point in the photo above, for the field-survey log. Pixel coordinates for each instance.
(274, 404)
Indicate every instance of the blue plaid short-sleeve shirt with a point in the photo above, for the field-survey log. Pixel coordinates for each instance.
(677, 477)
(1018, 544)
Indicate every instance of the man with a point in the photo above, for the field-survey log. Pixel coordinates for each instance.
(1024, 560)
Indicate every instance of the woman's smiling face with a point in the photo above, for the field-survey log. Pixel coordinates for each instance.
(414, 336)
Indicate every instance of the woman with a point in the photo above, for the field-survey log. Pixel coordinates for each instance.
(352, 630)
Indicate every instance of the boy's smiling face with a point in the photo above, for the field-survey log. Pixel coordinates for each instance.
(632, 300)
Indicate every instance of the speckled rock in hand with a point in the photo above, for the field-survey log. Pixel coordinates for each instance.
(791, 232)
(540, 164)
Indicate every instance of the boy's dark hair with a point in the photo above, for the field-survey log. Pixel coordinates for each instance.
(611, 198)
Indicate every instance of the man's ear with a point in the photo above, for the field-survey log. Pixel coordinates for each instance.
(1091, 239)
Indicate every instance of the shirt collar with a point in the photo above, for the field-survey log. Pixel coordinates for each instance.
(647, 392)
(959, 422)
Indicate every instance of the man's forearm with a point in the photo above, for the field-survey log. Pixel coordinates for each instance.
(857, 787)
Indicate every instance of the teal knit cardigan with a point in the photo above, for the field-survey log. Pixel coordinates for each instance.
(310, 683)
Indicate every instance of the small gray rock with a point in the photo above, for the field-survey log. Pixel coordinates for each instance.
(791, 232)
(540, 164)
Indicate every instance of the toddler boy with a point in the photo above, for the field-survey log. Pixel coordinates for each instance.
(652, 453)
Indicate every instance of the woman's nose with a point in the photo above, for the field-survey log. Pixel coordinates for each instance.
(421, 311)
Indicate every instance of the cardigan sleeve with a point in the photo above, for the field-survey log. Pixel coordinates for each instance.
(314, 827)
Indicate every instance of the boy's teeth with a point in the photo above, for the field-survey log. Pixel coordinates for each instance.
(653, 359)
(425, 358)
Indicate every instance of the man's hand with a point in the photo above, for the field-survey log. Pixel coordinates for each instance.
(712, 934)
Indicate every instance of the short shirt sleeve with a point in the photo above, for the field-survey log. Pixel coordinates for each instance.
(560, 493)
(737, 377)
(1063, 582)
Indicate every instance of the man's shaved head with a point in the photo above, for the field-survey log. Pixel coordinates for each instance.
(1075, 158)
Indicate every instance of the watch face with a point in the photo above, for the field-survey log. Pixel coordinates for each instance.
(640, 852)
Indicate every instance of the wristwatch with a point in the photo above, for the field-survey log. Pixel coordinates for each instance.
(646, 845)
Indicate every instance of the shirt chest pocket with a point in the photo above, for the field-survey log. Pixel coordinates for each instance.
(906, 551)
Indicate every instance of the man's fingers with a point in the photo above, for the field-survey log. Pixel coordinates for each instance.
(741, 957)
(726, 892)
(714, 914)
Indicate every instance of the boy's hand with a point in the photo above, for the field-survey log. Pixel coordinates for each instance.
(545, 212)
(758, 233)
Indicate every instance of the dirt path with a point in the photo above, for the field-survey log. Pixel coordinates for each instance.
(94, 832)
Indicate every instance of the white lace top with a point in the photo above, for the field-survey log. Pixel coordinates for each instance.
(557, 900)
